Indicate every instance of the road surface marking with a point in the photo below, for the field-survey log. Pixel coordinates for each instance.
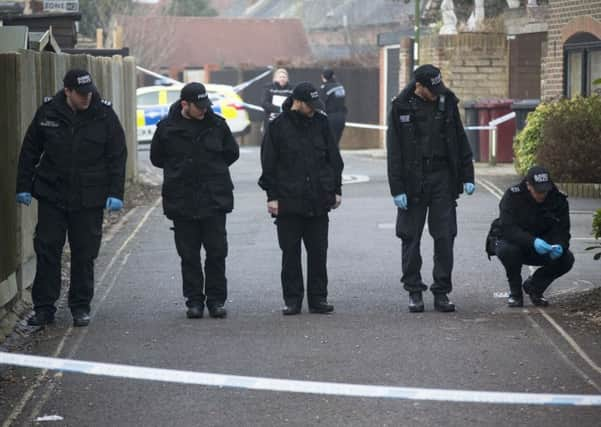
(561, 353)
(38, 381)
(41, 401)
(571, 341)
(296, 386)
(112, 231)
(354, 179)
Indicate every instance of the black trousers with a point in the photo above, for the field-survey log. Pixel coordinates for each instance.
(190, 236)
(436, 201)
(337, 122)
(84, 228)
(514, 257)
(313, 231)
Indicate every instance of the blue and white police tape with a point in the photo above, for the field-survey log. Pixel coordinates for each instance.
(294, 386)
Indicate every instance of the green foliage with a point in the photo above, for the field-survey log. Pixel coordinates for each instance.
(564, 137)
(597, 224)
(597, 234)
(529, 138)
(190, 8)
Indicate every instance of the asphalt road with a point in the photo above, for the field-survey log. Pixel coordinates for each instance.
(371, 339)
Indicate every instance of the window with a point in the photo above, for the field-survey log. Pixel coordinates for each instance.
(594, 70)
(172, 96)
(582, 65)
(575, 60)
(150, 98)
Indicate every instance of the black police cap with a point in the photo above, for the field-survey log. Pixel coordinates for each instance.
(539, 178)
(429, 76)
(307, 93)
(197, 94)
(79, 80)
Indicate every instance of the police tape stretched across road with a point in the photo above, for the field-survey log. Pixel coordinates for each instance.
(294, 386)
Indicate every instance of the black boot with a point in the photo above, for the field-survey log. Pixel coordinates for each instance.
(41, 318)
(515, 301)
(416, 302)
(321, 307)
(217, 311)
(536, 297)
(81, 318)
(291, 309)
(195, 311)
(538, 300)
(442, 303)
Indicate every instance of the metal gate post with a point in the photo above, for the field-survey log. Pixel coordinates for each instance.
(492, 146)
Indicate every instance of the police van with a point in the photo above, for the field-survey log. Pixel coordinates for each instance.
(153, 104)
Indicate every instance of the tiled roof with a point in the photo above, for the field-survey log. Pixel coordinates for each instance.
(323, 14)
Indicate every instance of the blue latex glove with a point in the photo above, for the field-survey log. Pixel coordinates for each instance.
(556, 251)
(24, 198)
(469, 188)
(541, 247)
(114, 204)
(401, 201)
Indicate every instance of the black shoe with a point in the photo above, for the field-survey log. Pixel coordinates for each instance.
(515, 301)
(291, 309)
(217, 311)
(416, 302)
(41, 318)
(81, 319)
(442, 303)
(195, 312)
(321, 307)
(536, 298)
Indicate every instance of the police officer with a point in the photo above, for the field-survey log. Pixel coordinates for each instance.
(195, 148)
(274, 95)
(333, 96)
(73, 162)
(429, 165)
(302, 176)
(533, 229)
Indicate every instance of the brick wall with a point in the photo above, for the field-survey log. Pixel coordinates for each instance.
(474, 65)
(566, 18)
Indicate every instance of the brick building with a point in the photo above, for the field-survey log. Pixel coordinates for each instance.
(573, 54)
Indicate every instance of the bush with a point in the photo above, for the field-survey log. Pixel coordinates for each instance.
(596, 234)
(564, 136)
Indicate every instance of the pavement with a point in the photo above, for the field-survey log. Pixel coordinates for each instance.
(371, 339)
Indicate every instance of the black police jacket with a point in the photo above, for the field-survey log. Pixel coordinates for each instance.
(73, 160)
(302, 166)
(405, 155)
(522, 219)
(333, 96)
(274, 89)
(197, 181)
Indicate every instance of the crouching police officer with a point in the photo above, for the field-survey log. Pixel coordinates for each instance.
(429, 165)
(302, 176)
(73, 162)
(533, 229)
(195, 148)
